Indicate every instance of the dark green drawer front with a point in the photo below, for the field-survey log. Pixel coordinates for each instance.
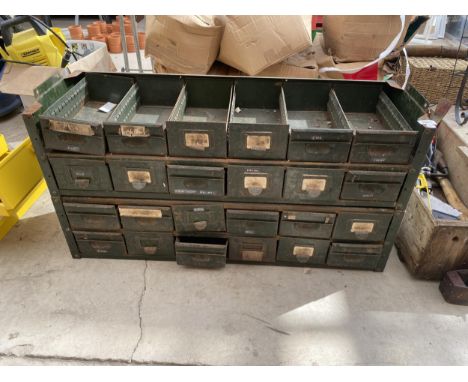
(265, 141)
(303, 251)
(307, 224)
(357, 256)
(312, 184)
(192, 139)
(100, 244)
(380, 153)
(252, 223)
(138, 175)
(199, 218)
(255, 182)
(196, 180)
(354, 226)
(82, 144)
(138, 218)
(252, 249)
(372, 185)
(81, 174)
(136, 139)
(319, 145)
(157, 245)
(201, 253)
(92, 217)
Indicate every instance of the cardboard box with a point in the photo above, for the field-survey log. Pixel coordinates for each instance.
(361, 38)
(253, 43)
(300, 65)
(183, 44)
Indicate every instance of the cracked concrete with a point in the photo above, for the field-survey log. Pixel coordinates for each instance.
(58, 311)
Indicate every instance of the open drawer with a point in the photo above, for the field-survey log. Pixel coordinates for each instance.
(201, 252)
(74, 122)
(138, 123)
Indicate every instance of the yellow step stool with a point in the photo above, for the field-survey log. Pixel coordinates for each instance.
(21, 182)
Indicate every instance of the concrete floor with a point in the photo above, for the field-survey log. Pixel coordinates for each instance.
(56, 310)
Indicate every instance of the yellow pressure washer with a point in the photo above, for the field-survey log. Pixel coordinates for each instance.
(39, 45)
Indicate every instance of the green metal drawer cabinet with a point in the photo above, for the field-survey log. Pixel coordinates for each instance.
(205, 171)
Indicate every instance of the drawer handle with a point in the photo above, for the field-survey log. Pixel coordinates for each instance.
(369, 190)
(101, 247)
(133, 132)
(195, 183)
(82, 182)
(302, 253)
(197, 141)
(313, 186)
(138, 178)
(352, 258)
(71, 128)
(252, 255)
(150, 250)
(200, 225)
(307, 226)
(381, 151)
(318, 148)
(258, 142)
(255, 184)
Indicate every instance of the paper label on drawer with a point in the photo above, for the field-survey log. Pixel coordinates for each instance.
(133, 131)
(139, 176)
(258, 142)
(303, 251)
(255, 182)
(140, 213)
(250, 255)
(313, 184)
(197, 141)
(71, 128)
(362, 227)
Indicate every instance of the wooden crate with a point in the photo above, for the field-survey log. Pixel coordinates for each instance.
(430, 247)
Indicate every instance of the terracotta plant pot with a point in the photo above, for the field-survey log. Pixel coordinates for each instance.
(102, 26)
(130, 43)
(109, 28)
(76, 32)
(128, 28)
(141, 39)
(93, 30)
(114, 43)
(100, 38)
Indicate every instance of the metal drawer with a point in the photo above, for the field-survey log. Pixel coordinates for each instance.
(74, 123)
(258, 126)
(356, 226)
(319, 132)
(157, 245)
(137, 125)
(197, 126)
(81, 174)
(359, 256)
(255, 181)
(138, 175)
(252, 223)
(196, 180)
(252, 249)
(92, 217)
(100, 243)
(199, 218)
(138, 218)
(304, 251)
(307, 224)
(201, 252)
(372, 185)
(310, 184)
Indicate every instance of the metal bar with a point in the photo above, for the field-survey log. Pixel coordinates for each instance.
(124, 44)
(137, 43)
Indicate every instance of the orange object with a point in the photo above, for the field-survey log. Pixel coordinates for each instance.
(100, 38)
(102, 26)
(93, 30)
(114, 43)
(128, 28)
(141, 39)
(109, 28)
(130, 43)
(76, 32)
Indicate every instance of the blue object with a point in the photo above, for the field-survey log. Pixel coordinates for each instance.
(8, 102)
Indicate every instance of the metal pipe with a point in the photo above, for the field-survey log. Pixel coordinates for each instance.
(137, 43)
(124, 44)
